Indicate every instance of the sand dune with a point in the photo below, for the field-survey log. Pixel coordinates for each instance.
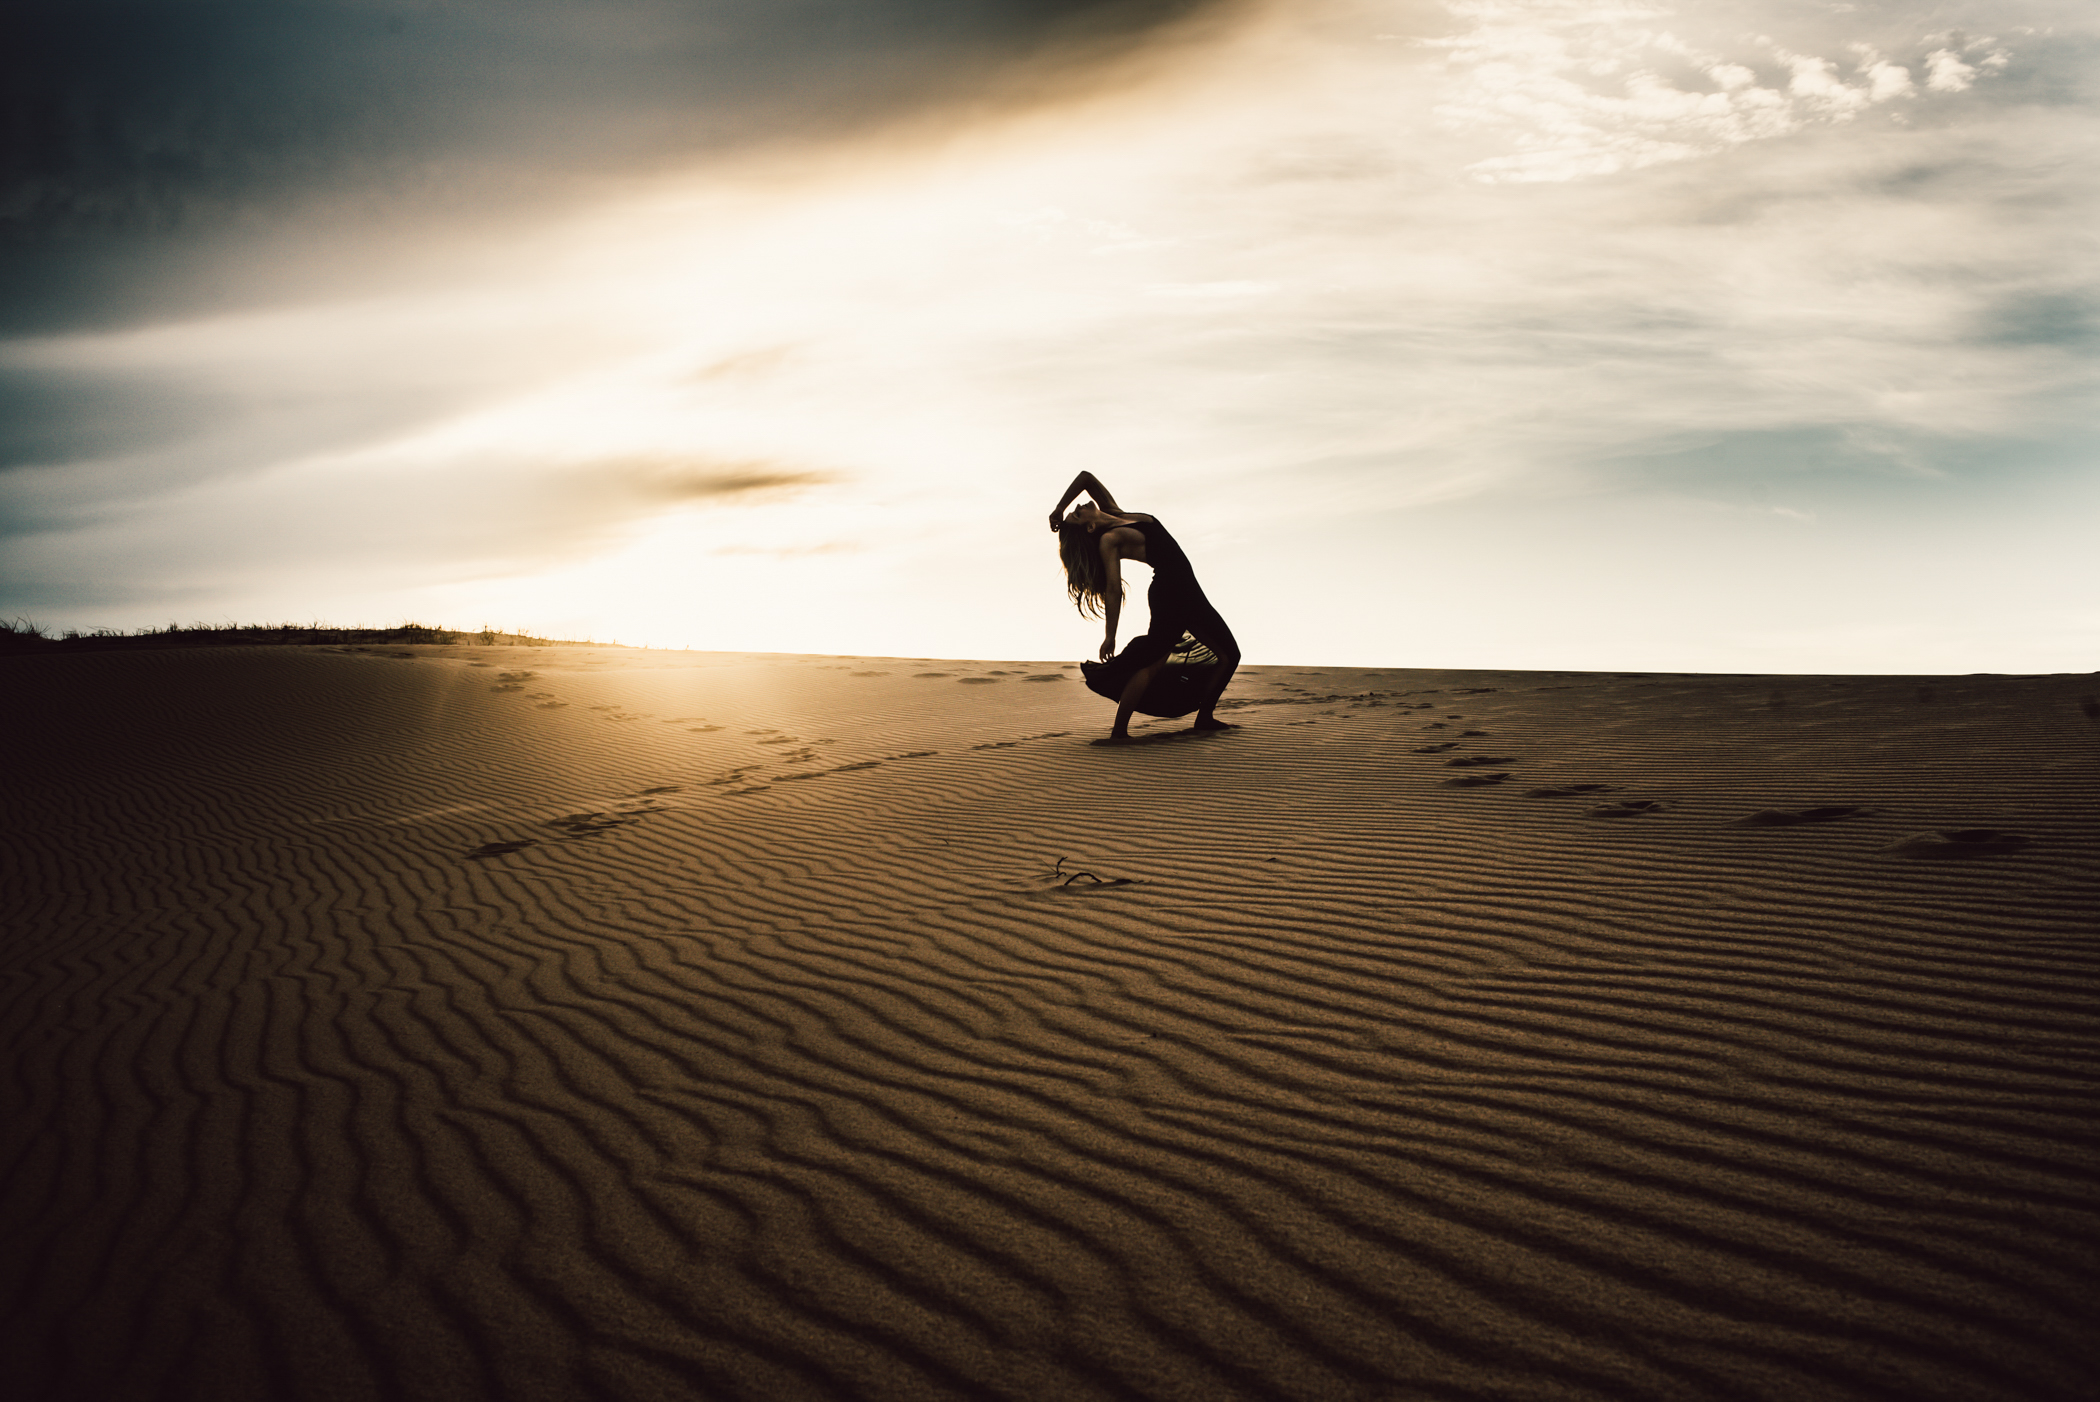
(562, 1022)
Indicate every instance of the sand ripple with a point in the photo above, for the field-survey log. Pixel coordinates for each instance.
(730, 1030)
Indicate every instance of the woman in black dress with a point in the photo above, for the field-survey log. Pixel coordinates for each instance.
(1094, 541)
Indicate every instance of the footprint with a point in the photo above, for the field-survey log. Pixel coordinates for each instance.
(1566, 790)
(1628, 808)
(1436, 749)
(923, 675)
(1478, 762)
(1435, 725)
(977, 681)
(996, 745)
(502, 849)
(589, 824)
(701, 729)
(1960, 842)
(1474, 781)
(1463, 734)
(1045, 677)
(1788, 817)
(660, 788)
(863, 764)
(870, 674)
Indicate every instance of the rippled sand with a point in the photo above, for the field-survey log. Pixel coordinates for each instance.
(459, 1022)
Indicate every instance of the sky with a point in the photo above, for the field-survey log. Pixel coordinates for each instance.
(1754, 337)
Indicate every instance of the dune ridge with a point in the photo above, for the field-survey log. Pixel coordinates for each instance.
(780, 1061)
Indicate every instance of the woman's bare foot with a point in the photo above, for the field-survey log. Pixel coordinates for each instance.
(1117, 737)
(1212, 723)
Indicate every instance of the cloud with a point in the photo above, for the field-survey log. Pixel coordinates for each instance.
(101, 423)
(506, 510)
(673, 482)
(1948, 72)
(791, 552)
(1583, 90)
(51, 417)
(162, 157)
(392, 513)
(2070, 320)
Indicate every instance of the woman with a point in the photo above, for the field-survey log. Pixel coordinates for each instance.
(1094, 541)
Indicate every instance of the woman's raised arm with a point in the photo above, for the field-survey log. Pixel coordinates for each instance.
(1090, 484)
(1099, 492)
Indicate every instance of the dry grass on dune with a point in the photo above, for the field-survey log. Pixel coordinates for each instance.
(420, 1021)
(20, 635)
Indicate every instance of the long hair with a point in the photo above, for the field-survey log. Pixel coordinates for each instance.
(1085, 579)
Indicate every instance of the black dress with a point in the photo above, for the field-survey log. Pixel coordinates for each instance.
(1177, 606)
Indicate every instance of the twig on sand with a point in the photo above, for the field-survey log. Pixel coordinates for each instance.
(1059, 870)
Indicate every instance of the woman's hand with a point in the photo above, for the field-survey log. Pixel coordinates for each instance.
(1108, 647)
(1090, 484)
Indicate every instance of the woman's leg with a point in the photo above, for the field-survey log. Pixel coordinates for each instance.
(1132, 694)
(1208, 628)
(1163, 605)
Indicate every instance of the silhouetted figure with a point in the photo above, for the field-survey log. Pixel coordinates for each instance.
(1094, 541)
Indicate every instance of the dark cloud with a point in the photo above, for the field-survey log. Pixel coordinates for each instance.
(671, 481)
(1860, 466)
(2052, 67)
(193, 427)
(144, 139)
(2042, 319)
(489, 514)
(49, 418)
(163, 161)
(1742, 457)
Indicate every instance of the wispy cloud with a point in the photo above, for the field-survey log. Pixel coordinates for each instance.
(674, 481)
